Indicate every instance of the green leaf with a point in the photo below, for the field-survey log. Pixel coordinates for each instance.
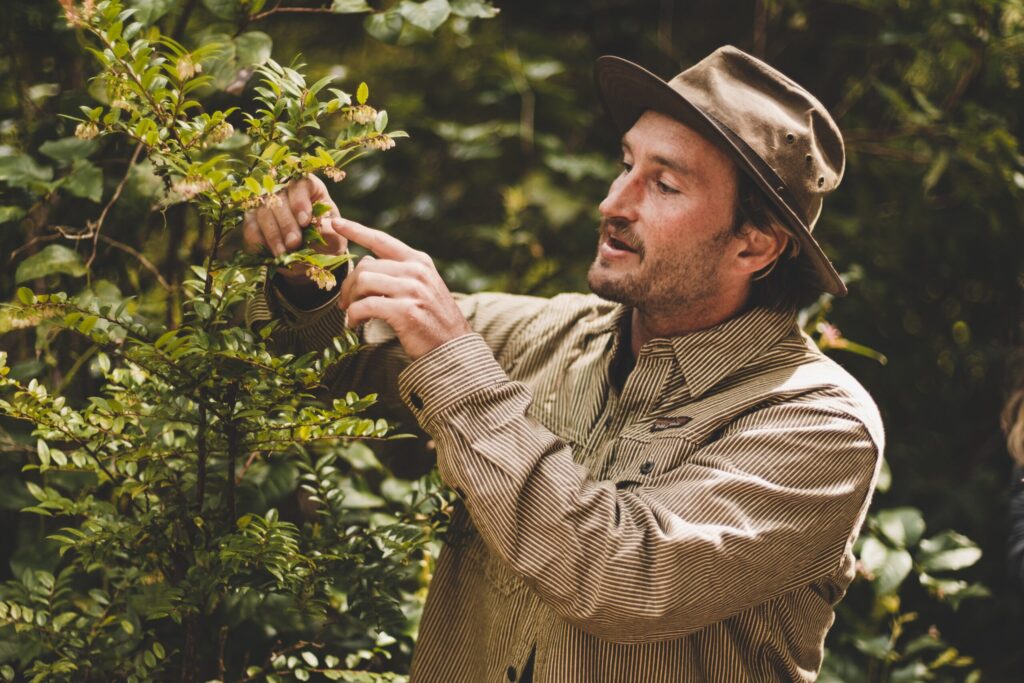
(9, 214)
(948, 551)
(231, 10)
(903, 526)
(253, 48)
(85, 180)
(21, 170)
(148, 11)
(68, 149)
(474, 9)
(888, 566)
(53, 259)
(362, 93)
(310, 658)
(428, 15)
(350, 6)
(384, 26)
(230, 64)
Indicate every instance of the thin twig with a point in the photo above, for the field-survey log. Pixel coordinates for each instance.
(141, 258)
(106, 209)
(304, 10)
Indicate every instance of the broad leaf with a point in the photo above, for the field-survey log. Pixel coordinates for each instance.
(474, 9)
(903, 526)
(948, 551)
(225, 9)
(53, 259)
(21, 170)
(384, 26)
(350, 6)
(148, 11)
(9, 214)
(888, 566)
(253, 48)
(68, 149)
(428, 15)
(85, 180)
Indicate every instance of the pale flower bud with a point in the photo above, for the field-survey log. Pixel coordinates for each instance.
(321, 277)
(87, 130)
(379, 142)
(361, 113)
(187, 67)
(334, 173)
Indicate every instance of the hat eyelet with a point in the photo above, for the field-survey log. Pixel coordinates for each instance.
(821, 181)
(790, 138)
(809, 159)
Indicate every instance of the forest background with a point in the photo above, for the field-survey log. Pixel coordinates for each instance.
(508, 155)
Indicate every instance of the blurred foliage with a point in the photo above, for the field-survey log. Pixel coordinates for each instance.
(510, 154)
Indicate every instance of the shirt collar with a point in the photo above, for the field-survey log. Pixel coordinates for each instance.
(705, 357)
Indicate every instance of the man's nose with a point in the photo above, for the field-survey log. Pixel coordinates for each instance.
(621, 200)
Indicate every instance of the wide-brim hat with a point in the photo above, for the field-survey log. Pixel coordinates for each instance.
(772, 128)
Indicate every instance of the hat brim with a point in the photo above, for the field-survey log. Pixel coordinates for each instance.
(628, 90)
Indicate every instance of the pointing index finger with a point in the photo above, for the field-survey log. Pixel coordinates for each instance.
(380, 243)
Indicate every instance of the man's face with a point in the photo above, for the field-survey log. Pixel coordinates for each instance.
(665, 228)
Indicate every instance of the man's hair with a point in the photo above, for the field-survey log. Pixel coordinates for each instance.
(788, 281)
(1012, 418)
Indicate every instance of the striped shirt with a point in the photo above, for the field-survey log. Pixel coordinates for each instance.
(688, 519)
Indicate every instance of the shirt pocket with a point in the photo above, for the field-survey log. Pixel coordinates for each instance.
(641, 456)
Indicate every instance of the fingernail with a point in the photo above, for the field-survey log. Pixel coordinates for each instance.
(303, 218)
(293, 239)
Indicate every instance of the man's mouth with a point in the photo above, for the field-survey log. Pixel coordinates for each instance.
(619, 244)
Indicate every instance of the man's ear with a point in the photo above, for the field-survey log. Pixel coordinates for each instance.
(758, 249)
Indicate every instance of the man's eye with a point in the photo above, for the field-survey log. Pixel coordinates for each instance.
(626, 167)
(666, 189)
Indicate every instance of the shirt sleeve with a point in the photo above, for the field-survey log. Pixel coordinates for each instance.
(718, 534)
(312, 326)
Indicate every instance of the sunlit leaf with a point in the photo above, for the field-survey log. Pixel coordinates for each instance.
(53, 259)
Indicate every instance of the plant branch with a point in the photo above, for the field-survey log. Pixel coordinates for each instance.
(98, 225)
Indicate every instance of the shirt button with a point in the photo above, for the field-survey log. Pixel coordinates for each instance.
(511, 673)
(646, 467)
(416, 401)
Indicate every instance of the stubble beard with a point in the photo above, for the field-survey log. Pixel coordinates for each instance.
(661, 284)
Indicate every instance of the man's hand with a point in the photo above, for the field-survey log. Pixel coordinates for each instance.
(401, 287)
(278, 224)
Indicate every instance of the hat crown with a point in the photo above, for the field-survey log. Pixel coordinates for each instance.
(777, 118)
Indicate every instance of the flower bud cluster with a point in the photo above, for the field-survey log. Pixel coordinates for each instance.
(379, 142)
(87, 130)
(187, 67)
(219, 133)
(321, 277)
(334, 173)
(361, 113)
(78, 16)
(191, 185)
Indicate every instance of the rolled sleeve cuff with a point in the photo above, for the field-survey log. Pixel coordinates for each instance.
(441, 378)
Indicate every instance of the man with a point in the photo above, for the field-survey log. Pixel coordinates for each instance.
(662, 482)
